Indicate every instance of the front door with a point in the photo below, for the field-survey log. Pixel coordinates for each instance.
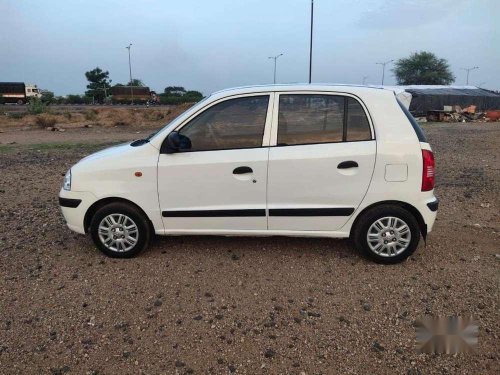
(219, 182)
(322, 164)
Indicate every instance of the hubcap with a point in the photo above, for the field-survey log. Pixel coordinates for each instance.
(118, 232)
(388, 236)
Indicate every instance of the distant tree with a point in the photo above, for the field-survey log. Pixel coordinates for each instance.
(179, 95)
(136, 82)
(193, 96)
(47, 96)
(98, 80)
(423, 68)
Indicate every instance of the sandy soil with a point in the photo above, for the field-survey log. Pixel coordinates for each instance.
(242, 305)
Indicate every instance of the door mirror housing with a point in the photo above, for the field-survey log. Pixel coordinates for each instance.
(175, 142)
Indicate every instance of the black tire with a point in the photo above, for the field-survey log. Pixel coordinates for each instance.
(360, 232)
(142, 223)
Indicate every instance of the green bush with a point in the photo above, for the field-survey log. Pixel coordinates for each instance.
(78, 99)
(36, 106)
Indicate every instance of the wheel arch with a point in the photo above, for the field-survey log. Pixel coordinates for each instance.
(104, 201)
(413, 210)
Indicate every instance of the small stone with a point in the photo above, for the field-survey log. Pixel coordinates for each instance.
(235, 257)
(179, 364)
(269, 353)
(343, 319)
(377, 347)
(198, 317)
(367, 306)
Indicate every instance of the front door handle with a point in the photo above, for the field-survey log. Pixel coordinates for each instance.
(347, 164)
(242, 170)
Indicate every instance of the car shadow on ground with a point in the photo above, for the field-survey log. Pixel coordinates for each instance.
(259, 246)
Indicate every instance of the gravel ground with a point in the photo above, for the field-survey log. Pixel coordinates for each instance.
(245, 305)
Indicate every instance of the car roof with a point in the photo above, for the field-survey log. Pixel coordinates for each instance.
(353, 89)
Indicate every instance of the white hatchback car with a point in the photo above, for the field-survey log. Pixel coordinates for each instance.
(292, 160)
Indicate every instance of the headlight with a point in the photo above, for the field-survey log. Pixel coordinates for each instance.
(67, 180)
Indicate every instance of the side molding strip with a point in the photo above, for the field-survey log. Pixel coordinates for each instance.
(343, 211)
(215, 213)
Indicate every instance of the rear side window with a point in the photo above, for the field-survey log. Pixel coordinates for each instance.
(358, 127)
(231, 124)
(311, 118)
(420, 133)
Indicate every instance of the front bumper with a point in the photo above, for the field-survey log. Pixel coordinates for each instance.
(74, 205)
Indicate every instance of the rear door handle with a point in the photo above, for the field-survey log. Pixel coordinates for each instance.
(242, 170)
(347, 164)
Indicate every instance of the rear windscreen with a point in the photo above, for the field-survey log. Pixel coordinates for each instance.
(414, 123)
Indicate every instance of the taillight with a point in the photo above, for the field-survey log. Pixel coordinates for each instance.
(428, 170)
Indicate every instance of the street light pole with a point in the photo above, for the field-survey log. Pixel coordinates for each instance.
(468, 71)
(275, 58)
(311, 41)
(383, 68)
(130, 72)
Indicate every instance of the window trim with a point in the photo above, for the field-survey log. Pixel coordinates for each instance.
(267, 124)
(275, 124)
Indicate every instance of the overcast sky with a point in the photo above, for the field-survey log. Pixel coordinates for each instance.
(211, 45)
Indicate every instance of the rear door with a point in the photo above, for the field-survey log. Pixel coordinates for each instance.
(322, 162)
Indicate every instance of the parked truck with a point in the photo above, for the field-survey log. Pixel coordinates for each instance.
(139, 94)
(18, 92)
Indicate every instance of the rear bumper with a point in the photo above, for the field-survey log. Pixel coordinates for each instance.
(429, 212)
(74, 205)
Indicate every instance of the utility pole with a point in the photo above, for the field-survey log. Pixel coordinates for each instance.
(130, 71)
(275, 58)
(311, 41)
(468, 71)
(383, 68)
(364, 79)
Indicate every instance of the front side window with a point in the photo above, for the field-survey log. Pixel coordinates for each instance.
(312, 118)
(231, 124)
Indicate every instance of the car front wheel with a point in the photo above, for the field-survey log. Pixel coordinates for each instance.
(387, 234)
(120, 230)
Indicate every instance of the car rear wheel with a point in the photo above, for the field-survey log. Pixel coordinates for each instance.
(120, 230)
(387, 234)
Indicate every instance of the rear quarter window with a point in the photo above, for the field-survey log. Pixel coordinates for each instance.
(420, 133)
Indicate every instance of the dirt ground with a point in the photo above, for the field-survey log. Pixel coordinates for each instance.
(196, 305)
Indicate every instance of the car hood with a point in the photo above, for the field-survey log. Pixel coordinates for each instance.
(108, 152)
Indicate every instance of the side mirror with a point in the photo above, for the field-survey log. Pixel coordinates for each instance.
(175, 142)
